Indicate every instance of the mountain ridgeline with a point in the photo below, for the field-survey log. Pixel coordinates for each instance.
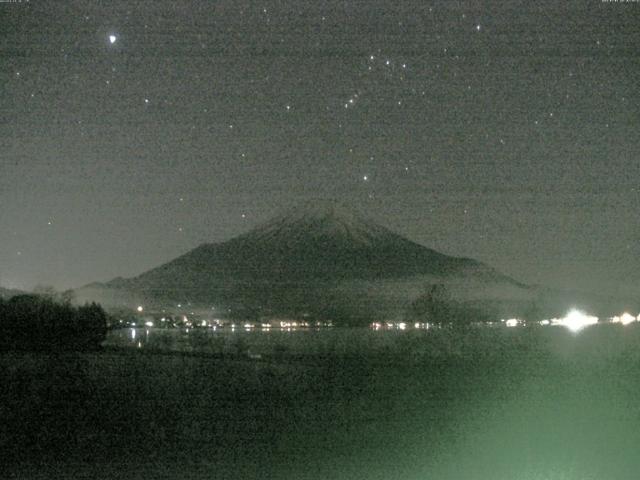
(319, 260)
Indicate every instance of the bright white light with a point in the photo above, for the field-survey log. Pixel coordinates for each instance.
(140, 308)
(512, 322)
(624, 319)
(402, 325)
(544, 322)
(149, 324)
(112, 39)
(576, 320)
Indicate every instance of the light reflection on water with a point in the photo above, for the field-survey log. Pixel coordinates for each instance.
(413, 342)
(252, 340)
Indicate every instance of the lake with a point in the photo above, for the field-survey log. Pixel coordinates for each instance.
(471, 404)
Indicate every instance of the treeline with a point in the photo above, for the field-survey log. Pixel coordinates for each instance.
(437, 306)
(45, 323)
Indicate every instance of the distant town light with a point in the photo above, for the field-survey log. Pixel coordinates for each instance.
(624, 319)
(512, 322)
(140, 309)
(149, 323)
(577, 320)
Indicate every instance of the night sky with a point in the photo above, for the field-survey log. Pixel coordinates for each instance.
(507, 131)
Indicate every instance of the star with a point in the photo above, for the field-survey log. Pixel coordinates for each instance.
(112, 39)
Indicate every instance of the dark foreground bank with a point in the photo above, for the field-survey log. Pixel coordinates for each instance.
(532, 404)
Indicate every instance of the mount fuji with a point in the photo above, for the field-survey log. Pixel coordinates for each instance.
(318, 258)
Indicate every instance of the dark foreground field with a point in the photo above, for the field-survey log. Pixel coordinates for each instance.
(496, 404)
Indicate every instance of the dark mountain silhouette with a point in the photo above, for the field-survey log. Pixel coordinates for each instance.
(320, 256)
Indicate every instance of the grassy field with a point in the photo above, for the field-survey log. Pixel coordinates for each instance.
(491, 404)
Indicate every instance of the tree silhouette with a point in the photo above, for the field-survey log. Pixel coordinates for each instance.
(35, 322)
(433, 306)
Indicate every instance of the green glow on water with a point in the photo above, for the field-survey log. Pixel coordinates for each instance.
(497, 405)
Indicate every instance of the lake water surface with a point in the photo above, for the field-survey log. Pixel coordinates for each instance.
(443, 404)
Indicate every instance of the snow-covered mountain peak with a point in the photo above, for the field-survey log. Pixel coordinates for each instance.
(321, 218)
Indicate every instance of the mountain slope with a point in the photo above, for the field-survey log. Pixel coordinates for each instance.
(309, 258)
(315, 242)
